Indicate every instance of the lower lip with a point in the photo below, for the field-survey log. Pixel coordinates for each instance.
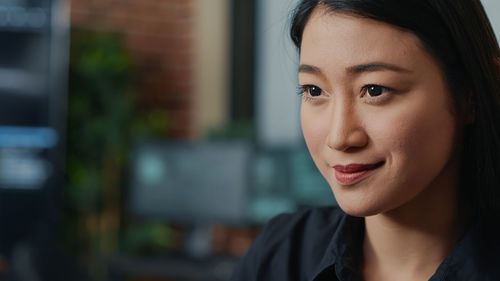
(352, 178)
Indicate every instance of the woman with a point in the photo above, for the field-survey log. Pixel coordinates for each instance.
(401, 114)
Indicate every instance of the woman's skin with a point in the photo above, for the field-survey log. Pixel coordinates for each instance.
(374, 96)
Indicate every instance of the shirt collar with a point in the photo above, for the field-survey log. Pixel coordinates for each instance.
(343, 252)
(470, 257)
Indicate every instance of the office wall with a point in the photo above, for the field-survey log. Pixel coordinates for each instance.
(160, 37)
(277, 104)
(211, 65)
(492, 8)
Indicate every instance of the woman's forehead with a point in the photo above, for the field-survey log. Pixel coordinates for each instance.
(343, 40)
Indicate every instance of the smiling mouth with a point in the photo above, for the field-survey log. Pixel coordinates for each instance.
(354, 173)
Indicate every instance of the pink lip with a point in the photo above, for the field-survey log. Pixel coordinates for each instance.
(353, 173)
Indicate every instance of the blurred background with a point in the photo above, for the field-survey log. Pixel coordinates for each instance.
(147, 139)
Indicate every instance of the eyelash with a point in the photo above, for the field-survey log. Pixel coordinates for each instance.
(374, 99)
(303, 90)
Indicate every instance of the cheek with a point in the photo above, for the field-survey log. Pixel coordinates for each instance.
(418, 139)
(315, 130)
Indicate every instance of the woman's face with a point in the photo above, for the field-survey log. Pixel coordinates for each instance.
(376, 115)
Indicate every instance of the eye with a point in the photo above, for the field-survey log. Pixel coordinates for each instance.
(313, 91)
(375, 90)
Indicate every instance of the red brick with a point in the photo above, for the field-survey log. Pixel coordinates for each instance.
(159, 35)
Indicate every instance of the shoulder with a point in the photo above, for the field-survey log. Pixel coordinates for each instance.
(290, 244)
(475, 256)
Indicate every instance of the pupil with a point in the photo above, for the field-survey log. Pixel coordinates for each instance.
(314, 91)
(374, 91)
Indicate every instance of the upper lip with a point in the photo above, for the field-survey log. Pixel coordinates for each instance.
(353, 168)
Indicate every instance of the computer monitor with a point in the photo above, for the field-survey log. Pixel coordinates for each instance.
(191, 182)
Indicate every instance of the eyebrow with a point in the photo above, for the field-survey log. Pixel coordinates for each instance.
(357, 69)
(375, 66)
(309, 69)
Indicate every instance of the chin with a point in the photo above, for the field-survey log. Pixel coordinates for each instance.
(362, 201)
(359, 209)
(358, 212)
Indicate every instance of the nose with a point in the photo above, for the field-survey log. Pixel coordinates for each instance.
(346, 129)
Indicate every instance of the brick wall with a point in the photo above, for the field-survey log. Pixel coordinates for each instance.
(159, 35)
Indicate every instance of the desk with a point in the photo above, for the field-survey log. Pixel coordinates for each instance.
(170, 268)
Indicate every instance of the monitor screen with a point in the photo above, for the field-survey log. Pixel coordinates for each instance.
(192, 183)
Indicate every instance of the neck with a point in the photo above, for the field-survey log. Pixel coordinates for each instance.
(410, 242)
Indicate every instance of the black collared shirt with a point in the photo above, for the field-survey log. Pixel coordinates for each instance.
(325, 244)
